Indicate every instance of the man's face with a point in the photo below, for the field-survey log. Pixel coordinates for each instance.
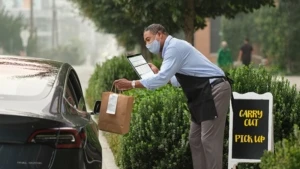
(149, 37)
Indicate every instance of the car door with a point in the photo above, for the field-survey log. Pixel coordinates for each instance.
(92, 148)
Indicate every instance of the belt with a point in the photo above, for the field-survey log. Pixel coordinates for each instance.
(217, 81)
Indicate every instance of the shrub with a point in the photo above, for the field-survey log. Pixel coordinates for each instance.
(104, 76)
(157, 61)
(159, 131)
(158, 137)
(286, 156)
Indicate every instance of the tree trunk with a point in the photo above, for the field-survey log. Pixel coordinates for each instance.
(189, 19)
(31, 18)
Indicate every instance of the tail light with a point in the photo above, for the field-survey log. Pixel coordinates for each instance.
(61, 138)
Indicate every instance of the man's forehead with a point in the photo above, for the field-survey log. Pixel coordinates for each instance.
(148, 33)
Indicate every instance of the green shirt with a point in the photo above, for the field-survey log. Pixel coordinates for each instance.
(224, 57)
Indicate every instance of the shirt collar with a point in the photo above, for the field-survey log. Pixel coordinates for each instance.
(167, 41)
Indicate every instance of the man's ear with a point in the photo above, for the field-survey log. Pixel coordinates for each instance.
(159, 33)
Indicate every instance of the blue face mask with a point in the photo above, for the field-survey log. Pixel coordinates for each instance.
(154, 47)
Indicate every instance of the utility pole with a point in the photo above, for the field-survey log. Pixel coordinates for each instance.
(54, 25)
(31, 18)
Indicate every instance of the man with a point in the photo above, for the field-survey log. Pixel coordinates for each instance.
(245, 53)
(224, 56)
(204, 84)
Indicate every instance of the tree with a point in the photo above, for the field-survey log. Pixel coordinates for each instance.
(10, 29)
(270, 29)
(111, 16)
(190, 14)
(127, 19)
(71, 53)
(32, 47)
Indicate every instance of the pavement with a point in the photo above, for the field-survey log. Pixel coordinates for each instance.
(294, 80)
(84, 73)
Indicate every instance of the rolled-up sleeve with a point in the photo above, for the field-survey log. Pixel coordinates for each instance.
(172, 62)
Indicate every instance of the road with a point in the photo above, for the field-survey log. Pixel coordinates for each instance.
(84, 73)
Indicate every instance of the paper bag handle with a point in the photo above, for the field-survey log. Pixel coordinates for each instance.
(113, 87)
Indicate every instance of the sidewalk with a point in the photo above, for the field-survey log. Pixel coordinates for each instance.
(108, 158)
(294, 80)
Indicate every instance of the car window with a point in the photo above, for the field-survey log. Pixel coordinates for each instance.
(26, 79)
(74, 98)
(70, 98)
(81, 104)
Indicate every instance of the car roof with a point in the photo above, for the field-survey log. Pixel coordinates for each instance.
(25, 76)
(30, 61)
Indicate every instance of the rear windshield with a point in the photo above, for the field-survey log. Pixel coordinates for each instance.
(25, 79)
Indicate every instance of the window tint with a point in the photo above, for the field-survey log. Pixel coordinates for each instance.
(26, 79)
(75, 102)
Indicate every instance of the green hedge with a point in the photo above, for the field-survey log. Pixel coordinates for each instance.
(286, 100)
(160, 121)
(159, 131)
(287, 154)
(104, 76)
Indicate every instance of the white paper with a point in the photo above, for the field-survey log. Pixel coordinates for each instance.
(112, 103)
(141, 66)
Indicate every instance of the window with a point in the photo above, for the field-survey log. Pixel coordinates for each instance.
(70, 99)
(26, 79)
(74, 99)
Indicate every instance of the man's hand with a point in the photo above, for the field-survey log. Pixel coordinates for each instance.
(123, 84)
(154, 68)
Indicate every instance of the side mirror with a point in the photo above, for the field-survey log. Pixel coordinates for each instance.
(96, 107)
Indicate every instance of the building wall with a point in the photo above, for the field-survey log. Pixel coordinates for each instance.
(207, 40)
(202, 40)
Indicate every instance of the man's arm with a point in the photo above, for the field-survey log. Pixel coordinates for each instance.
(240, 55)
(173, 81)
(171, 64)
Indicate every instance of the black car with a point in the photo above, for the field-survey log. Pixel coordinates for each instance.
(43, 118)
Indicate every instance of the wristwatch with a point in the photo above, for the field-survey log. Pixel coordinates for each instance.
(133, 84)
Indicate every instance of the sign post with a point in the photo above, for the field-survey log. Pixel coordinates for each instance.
(251, 128)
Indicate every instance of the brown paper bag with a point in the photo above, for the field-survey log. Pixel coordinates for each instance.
(120, 121)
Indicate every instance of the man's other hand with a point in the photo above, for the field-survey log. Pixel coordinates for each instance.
(154, 68)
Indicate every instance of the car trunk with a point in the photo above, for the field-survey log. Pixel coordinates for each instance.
(17, 129)
(28, 142)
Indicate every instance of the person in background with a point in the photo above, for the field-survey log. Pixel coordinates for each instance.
(205, 85)
(245, 53)
(224, 56)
